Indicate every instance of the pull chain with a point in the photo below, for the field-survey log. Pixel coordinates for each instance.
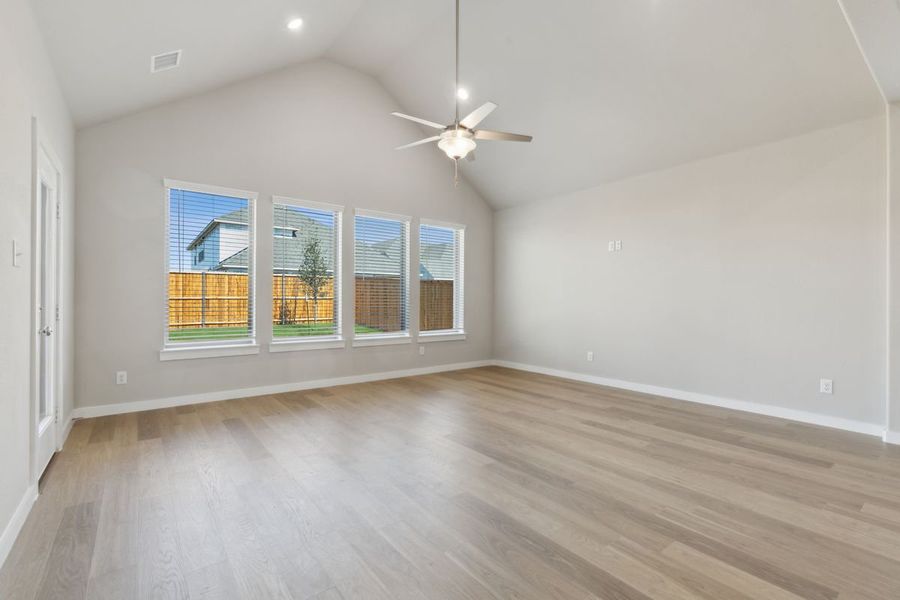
(455, 172)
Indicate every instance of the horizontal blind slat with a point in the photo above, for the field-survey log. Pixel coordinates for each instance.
(381, 275)
(440, 278)
(211, 280)
(305, 271)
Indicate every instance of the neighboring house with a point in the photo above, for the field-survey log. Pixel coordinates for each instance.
(222, 246)
(219, 240)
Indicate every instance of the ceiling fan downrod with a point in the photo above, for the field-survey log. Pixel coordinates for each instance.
(458, 139)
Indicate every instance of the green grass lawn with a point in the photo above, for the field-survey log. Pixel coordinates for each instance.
(230, 333)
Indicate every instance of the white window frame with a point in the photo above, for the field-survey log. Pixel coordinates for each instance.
(318, 342)
(214, 348)
(458, 332)
(384, 339)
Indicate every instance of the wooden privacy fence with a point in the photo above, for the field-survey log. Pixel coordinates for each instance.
(378, 303)
(435, 305)
(292, 301)
(208, 299)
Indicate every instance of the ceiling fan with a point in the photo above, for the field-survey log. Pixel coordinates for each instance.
(457, 140)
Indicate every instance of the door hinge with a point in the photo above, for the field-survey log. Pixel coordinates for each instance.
(58, 209)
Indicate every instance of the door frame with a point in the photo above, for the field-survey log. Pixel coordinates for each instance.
(42, 151)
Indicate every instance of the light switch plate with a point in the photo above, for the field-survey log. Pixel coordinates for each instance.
(17, 254)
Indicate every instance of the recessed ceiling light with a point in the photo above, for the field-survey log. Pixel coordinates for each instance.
(462, 94)
(295, 24)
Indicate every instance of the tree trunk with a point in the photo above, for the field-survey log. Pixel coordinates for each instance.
(315, 309)
(282, 314)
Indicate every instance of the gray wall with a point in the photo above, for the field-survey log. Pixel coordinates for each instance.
(28, 89)
(747, 276)
(320, 132)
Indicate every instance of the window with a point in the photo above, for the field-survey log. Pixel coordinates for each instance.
(440, 277)
(381, 258)
(210, 280)
(306, 250)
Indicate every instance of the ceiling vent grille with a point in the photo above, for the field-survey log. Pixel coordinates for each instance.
(165, 61)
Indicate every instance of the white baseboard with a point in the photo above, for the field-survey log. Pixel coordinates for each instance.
(66, 430)
(83, 412)
(742, 405)
(16, 522)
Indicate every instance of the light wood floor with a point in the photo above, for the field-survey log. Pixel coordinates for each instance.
(477, 484)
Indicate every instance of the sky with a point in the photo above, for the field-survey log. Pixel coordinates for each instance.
(435, 235)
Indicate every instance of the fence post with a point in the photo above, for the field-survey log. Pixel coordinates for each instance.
(202, 298)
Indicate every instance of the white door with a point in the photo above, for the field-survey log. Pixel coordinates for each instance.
(46, 310)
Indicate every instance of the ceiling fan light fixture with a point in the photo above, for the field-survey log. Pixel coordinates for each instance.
(458, 139)
(457, 144)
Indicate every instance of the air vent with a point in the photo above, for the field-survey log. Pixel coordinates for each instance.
(165, 61)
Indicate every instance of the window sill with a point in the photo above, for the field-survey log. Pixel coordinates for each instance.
(441, 336)
(381, 340)
(295, 345)
(190, 352)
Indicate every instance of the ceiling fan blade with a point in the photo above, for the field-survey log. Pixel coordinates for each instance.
(418, 120)
(420, 142)
(501, 136)
(478, 115)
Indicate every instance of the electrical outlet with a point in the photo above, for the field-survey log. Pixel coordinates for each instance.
(590, 356)
(612, 246)
(421, 350)
(618, 245)
(826, 386)
(121, 377)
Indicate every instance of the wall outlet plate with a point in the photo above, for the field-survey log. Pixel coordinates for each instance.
(826, 386)
(590, 355)
(121, 377)
(421, 350)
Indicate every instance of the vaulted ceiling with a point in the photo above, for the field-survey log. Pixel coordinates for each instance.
(609, 88)
(877, 27)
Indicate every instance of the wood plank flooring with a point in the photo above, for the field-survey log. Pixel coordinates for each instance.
(473, 485)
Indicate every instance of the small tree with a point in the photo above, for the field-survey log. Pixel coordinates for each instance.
(313, 272)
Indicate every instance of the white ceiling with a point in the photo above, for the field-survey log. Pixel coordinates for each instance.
(877, 27)
(102, 48)
(609, 88)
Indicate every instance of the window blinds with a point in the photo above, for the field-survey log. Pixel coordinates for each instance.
(381, 274)
(305, 272)
(210, 267)
(440, 278)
